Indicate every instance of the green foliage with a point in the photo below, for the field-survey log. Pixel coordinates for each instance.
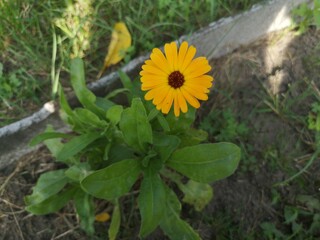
(305, 16)
(206, 162)
(314, 117)
(85, 208)
(113, 147)
(48, 185)
(306, 210)
(115, 222)
(223, 125)
(197, 194)
(113, 181)
(152, 200)
(135, 126)
(172, 224)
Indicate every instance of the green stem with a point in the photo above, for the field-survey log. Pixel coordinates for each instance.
(314, 156)
(173, 176)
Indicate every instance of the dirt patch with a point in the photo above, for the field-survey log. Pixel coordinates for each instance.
(270, 71)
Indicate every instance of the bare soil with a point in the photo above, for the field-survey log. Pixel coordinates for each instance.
(274, 68)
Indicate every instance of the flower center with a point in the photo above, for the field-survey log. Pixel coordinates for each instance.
(176, 79)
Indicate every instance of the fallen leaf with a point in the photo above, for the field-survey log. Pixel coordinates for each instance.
(120, 42)
(102, 217)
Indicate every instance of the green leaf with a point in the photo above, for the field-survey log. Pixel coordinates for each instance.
(89, 119)
(197, 194)
(290, 214)
(114, 114)
(164, 145)
(104, 104)
(53, 203)
(270, 231)
(47, 135)
(135, 126)
(316, 13)
(127, 83)
(206, 162)
(54, 145)
(119, 152)
(171, 223)
(312, 203)
(163, 122)
(75, 145)
(85, 209)
(78, 172)
(125, 80)
(64, 103)
(115, 222)
(152, 114)
(113, 181)
(85, 96)
(181, 123)
(151, 201)
(48, 184)
(116, 92)
(192, 137)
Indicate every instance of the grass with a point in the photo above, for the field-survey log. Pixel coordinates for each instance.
(37, 39)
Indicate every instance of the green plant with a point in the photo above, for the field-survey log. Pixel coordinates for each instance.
(305, 16)
(303, 220)
(115, 149)
(227, 128)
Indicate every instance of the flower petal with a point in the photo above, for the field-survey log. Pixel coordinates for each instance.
(169, 55)
(182, 53)
(195, 65)
(204, 80)
(197, 87)
(154, 70)
(155, 92)
(150, 78)
(182, 102)
(203, 69)
(176, 104)
(167, 102)
(190, 99)
(160, 95)
(159, 60)
(151, 85)
(195, 93)
(189, 56)
(175, 55)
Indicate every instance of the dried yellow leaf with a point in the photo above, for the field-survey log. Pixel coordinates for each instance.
(102, 217)
(119, 44)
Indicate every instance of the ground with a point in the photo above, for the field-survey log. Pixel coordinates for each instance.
(261, 99)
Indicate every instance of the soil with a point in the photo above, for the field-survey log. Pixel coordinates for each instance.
(275, 68)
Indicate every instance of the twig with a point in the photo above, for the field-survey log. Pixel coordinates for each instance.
(65, 233)
(17, 169)
(309, 163)
(11, 204)
(16, 221)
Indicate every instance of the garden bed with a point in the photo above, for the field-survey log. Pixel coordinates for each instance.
(261, 99)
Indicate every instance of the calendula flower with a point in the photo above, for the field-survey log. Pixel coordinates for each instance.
(176, 78)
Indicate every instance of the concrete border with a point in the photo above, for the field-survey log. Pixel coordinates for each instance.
(219, 38)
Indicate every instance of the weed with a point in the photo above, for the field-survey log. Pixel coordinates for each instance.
(305, 16)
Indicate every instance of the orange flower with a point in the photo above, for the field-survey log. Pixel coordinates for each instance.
(176, 78)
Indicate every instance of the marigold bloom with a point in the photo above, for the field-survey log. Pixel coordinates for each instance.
(176, 78)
